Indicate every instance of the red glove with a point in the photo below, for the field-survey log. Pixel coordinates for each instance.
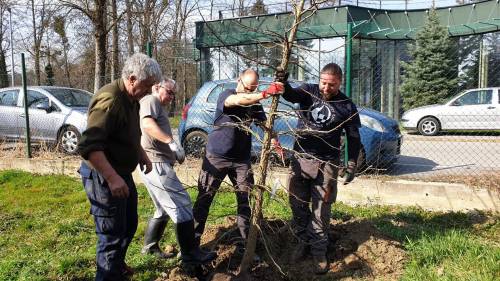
(274, 89)
(279, 150)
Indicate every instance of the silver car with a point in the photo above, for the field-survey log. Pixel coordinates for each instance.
(474, 109)
(57, 115)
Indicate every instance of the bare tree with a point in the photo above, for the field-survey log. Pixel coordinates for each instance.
(41, 14)
(4, 77)
(59, 26)
(96, 11)
(298, 13)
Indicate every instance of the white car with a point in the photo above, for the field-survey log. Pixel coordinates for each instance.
(474, 109)
(57, 115)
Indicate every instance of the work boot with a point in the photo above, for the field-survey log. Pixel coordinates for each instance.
(300, 252)
(320, 264)
(190, 250)
(152, 236)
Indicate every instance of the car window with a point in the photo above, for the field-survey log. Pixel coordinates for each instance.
(9, 98)
(35, 98)
(475, 97)
(71, 97)
(212, 97)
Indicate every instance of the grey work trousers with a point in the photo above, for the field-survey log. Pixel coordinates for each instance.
(312, 182)
(214, 169)
(168, 195)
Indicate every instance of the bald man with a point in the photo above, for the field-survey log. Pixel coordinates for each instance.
(228, 149)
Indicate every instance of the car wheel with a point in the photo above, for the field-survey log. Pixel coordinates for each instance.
(429, 126)
(68, 140)
(194, 143)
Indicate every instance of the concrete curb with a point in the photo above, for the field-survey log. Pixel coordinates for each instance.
(427, 195)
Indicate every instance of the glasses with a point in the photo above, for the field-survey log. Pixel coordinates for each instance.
(169, 92)
(249, 88)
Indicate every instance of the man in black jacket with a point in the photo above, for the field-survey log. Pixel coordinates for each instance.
(324, 112)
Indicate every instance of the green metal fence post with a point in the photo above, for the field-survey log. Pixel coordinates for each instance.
(149, 49)
(26, 111)
(348, 62)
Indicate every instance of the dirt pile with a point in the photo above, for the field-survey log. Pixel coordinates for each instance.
(357, 251)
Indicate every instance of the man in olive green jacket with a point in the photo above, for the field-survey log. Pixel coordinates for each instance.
(111, 148)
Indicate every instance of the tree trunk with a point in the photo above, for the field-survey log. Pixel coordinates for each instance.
(266, 147)
(36, 46)
(130, 35)
(100, 33)
(114, 59)
(4, 77)
(66, 64)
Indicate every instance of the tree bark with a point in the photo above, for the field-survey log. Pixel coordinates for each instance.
(114, 57)
(36, 46)
(130, 35)
(100, 33)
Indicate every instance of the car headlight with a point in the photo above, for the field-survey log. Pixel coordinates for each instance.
(371, 123)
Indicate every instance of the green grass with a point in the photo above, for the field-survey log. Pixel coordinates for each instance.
(174, 121)
(46, 233)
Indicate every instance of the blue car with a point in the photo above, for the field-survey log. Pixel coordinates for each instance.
(380, 135)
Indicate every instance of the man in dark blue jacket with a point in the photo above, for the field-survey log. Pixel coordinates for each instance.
(324, 113)
(228, 148)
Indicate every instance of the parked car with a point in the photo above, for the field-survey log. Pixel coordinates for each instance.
(57, 115)
(380, 134)
(474, 109)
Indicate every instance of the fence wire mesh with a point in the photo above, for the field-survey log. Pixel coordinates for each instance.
(459, 137)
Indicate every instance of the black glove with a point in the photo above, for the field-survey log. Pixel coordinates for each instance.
(348, 173)
(280, 75)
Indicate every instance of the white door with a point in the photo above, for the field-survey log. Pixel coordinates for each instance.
(472, 110)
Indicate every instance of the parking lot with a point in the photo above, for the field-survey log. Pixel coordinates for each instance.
(448, 155)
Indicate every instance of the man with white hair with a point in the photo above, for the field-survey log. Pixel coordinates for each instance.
(168, 195)
(110, 147)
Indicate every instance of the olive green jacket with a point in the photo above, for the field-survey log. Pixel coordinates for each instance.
(113, 127)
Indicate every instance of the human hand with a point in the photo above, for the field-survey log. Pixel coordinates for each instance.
(275, 88)
(145, 164)
(280, 75)
(118, 187)
(180, 155)
(348, 173)
(279, 150)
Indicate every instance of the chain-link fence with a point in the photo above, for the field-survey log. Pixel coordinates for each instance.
(409, 137)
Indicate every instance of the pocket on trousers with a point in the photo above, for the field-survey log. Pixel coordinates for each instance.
(99, 195)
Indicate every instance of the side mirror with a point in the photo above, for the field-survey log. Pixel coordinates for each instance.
(455, 103)
(44, 106)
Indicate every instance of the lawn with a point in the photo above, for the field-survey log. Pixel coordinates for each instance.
(46, 233)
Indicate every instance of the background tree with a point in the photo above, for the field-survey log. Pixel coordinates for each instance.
(431, 76)
(40, 17)
(4, 75)
(59, 26)
(96, 11)
(49, 72)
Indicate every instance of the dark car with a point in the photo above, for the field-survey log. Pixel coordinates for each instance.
(380, 135)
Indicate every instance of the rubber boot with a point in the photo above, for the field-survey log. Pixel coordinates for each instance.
(152, 236)
(190, 250)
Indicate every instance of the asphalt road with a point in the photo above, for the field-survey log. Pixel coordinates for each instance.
(448, 155)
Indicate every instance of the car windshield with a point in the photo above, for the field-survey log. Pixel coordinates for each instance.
(71, 97)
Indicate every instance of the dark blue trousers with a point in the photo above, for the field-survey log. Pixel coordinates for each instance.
(115, 223)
